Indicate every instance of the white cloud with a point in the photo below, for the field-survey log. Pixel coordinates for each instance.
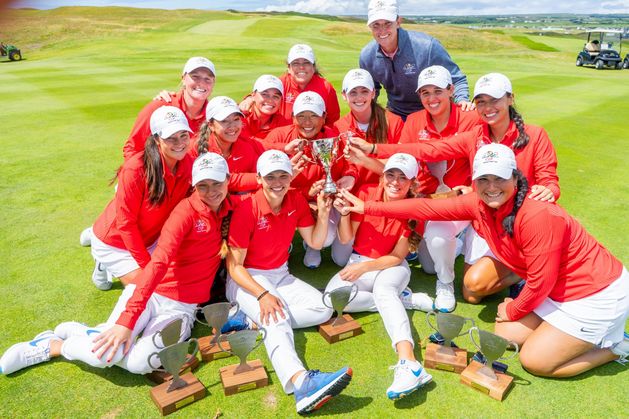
(327, 7)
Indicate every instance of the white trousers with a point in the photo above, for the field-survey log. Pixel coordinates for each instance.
(380, 291)
(303, 307)
(340, 252)
(440, 241)
(159, 312)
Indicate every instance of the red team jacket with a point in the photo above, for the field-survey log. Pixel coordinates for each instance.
(318, 85)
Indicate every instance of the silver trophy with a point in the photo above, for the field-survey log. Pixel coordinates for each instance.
(172, 359)
(325, 151)
(449, 326)
(492, 347)
(439, 169)
(241, 344)
(169, 334)
(216, 316)
(339, 299)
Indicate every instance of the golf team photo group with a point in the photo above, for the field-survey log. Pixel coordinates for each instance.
(428, 167)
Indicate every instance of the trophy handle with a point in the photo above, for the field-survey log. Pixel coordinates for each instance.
(354, 288)
(151, 365)
(155, 344)
(219, 340)
(196, 346)
(506, 358)
(471, 320)
(323, 300)
(199, 310)
(471, 332)
(262, 330)
(432, 313)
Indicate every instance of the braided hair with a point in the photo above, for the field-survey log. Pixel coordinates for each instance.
(204, 136)
(154, 170)
(225, 233)
(415, 237)
(523, 138)
(522, 186)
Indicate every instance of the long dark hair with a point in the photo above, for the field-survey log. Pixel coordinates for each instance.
(378, 127)
(522, 186)
(225, 233)
(523, 138)
(154, 170)
(204, 135)
(415, 237)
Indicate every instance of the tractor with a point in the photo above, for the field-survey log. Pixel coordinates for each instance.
(10, 51)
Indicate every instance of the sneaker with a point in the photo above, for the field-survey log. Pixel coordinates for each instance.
(445, 301)
(411, 256)
(312, 258)
(236, 322)
(101, 277)
(67, 329)
(516, 289)
(622, 350)
(319, 387)
(86, 237)
(25, 354)
(416, 300)
(408, 376)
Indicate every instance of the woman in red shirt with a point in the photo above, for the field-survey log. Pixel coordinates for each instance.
(571, 313)
(536, 158)
(177, 278)
(150, 185)
(379, 270)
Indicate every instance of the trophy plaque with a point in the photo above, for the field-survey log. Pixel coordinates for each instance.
(215, 317)
(343, 326)
(170, 335)
(325, 151)
(483, 377)
(245, 375)
(445, 356)
(181, 390)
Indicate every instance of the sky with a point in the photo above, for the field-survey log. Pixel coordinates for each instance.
(359, 7)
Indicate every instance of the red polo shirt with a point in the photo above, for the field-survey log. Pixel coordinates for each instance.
(266, 235)
(185, 260)
(130, 221)
(318, 85)
(556, 255)
(254, 132)
(537, 160)
(142, 129)
(420, 127)
(377, 236)
(349, 123)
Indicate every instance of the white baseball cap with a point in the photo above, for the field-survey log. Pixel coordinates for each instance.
(167, 120)
(382, 9)
(494, 159)
(404, 162)
(220, 107)
(357, 78)
(268, 81)
(495, 85)
(301, 51)
(272, 160)
(435, 75)
(198, 62)
(209, 166)
(309, 101)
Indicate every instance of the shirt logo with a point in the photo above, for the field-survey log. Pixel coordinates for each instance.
(423, 135)
(291, 212)
(290, 98)
(409, 69)
(263, 223)
(200, 226)
(237, 158)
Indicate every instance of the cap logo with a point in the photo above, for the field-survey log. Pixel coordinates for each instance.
(308, 100)
(274, 158)
(226, 101)
(401, 159)
(356, 75)
(489, 156)
(430, 73)
(379, 5)
(170, 117)
(300, 48)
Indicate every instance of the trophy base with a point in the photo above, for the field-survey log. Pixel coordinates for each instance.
(158, 377)
(435, 359)
(236, 383)
(346, 328)
(210, 352)
(169, 402)
(496, 389)
(444, 195)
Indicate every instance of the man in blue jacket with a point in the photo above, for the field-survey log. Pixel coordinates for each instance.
(396, 57)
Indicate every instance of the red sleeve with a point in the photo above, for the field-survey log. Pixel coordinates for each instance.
(363, 195)
(435, 150)
(460, 208)
(242, 225)
(332, 109)
(303, 212)
(540, 236)
(242, 182)
(409, 132)
(545, 163)
(396, 128)
(140, 131)
(129, 201)
(176, 228)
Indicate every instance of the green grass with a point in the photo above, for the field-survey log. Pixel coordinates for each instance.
(529, 43)
(68, 108)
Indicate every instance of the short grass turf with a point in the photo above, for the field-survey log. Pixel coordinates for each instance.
(66, 112)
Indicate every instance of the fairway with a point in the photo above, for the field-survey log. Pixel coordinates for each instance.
(67, 110)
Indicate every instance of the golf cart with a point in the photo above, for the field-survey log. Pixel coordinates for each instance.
(10, 51)
(625, 62)
(599, 51)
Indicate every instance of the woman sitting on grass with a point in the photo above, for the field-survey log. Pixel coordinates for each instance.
(177, 278)
(571, 313)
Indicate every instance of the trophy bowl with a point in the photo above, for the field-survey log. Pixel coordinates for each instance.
(449, 326)
(339, 299)
(169, 334)
(241, 344)
(172, 359)
(325, 151)
(492, 347)
(216, 316)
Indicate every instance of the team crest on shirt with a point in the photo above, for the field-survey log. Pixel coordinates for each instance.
(409, 69)
(423, 135)
(289, 98)
(263, 223)
(201, 226)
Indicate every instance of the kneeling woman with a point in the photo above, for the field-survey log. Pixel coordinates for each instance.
(261, 232)
(571, 314)
(178, 277)
(379, 270)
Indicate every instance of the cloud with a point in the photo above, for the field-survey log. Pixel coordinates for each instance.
(329, 7)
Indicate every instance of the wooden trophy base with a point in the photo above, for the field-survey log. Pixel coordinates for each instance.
(496, 389)
(248, 380)
(159, 377)
(169, 402)
(346, 328)
(444, 195)
(435, 359)
(210, 352)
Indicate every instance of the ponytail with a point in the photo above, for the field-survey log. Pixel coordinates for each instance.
(523, 138)
(154, 171)
(225, 233)
(522, 186)
(204, 135)
(378, 127)
(415, 237)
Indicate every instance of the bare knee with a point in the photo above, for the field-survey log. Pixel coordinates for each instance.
(535, 365)
(476, 282)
